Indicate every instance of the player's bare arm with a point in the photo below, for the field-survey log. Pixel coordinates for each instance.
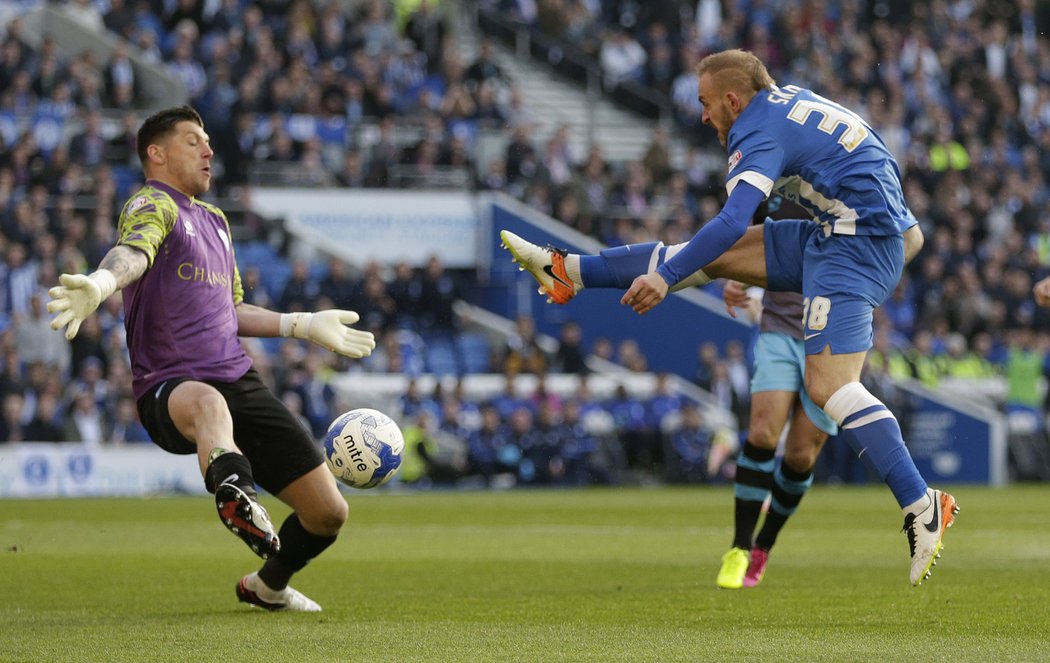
(256, 321)
(331, 329)
(126, 264)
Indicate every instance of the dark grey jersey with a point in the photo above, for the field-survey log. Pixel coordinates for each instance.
(782, 312)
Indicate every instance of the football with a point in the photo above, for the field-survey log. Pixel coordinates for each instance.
(363, 448)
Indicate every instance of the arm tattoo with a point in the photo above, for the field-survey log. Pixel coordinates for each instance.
(126, 263)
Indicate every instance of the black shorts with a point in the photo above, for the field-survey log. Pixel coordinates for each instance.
(273, 440)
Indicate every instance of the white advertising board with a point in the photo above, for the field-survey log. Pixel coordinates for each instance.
(39, 469)
(364, 225)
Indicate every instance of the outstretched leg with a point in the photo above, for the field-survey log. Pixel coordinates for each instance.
(561, 275)
(201, 415)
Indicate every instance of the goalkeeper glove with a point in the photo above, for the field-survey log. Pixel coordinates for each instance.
(330, 329)
(77, 297)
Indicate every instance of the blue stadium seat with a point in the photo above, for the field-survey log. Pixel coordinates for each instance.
(474, 352)
(441, 358)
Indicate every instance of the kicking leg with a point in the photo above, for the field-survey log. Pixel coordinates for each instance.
(201, 415)
(561, 275)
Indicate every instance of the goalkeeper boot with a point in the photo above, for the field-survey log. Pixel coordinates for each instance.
(925, 529)
(757, 568)
(254, 591)
(547, 266)
(242, 514)
(734, 566)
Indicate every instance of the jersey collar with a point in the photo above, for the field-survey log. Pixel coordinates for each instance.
(181, 199)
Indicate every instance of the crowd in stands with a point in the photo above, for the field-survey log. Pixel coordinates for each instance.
(540, 438)
(960, 92)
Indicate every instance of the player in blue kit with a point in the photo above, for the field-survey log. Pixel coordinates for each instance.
(845, 260)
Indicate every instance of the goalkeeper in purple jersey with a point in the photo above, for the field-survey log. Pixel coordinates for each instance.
(845, 259)
(196, 389)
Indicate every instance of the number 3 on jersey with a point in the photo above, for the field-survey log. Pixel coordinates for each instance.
(831, 117)
(815, 312)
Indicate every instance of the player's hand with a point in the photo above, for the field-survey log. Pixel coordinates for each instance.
(74, 300)
(647, 291)
(735, 295)
(1041, 292)
(331, 330)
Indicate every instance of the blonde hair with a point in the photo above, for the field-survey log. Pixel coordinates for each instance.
(737, 70)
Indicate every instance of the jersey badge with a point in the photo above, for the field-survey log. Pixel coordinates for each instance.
(137, 203)
(734, 159)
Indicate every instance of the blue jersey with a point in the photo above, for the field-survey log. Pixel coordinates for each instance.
(813, 152)
(821, 155)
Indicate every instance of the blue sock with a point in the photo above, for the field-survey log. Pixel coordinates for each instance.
(619, 266)
(881, 445)
(873, 432)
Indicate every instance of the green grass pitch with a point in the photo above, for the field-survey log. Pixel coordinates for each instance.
(591, 575)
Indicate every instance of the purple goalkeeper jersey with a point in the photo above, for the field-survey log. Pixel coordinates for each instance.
(180, 314)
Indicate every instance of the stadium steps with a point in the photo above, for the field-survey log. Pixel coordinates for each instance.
(552, 101)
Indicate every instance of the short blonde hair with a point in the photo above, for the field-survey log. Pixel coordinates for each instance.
(737, 70)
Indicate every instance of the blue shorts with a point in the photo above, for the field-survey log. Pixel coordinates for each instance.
(842, 278)
(780, 365)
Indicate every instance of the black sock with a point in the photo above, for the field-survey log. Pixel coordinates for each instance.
(775, 520)
(771, 526)
(230, 466)
(747, 513)
(298, 547)
(754, 478)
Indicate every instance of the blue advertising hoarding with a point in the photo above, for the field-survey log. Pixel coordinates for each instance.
(668, 336)
(952, 441)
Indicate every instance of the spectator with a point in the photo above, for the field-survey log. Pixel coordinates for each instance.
(622, 58)
(45, 425)
(36, 341)
(12, 428)
(126, 428)
(300, 292)
(570, 357)
(85, 422)
(523, 352)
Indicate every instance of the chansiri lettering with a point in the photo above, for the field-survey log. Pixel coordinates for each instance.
(187, 271)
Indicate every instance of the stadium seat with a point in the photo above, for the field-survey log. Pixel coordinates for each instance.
(474, 351)
(441, 358)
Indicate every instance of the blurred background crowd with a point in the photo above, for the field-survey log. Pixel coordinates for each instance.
(374, 94)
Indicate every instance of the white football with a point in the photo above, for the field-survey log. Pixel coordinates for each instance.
(363, 448)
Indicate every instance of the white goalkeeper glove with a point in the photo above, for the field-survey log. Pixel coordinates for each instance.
(330, 329)
(77, 297)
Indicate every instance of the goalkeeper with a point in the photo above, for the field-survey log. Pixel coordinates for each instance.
(196, 389)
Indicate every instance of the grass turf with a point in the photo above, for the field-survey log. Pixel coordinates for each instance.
(595, 575)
